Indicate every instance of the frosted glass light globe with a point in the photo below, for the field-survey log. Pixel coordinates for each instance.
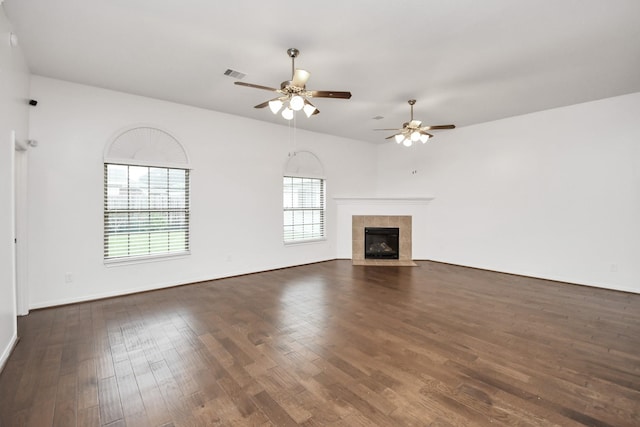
(296, 103)
(309, 110)
(275, 106)
(287, 113)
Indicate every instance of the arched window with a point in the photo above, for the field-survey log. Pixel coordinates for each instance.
(303, 198)
(146, 195)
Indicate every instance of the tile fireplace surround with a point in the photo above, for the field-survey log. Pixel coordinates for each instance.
(403, 222)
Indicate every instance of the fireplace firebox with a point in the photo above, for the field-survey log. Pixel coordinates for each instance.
(381, 243)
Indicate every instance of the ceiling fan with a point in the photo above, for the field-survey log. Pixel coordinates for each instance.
(293, 93)
(413, 131)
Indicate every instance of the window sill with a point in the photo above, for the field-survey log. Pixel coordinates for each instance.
(304, 242)
(116, 262)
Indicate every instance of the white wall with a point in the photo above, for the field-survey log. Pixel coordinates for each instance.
(554, 194)
(236, 193)
(14, 89)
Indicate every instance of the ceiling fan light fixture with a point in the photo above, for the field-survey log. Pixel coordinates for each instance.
(275, 105)
(300, 77)
(296, 103)
(413, 131)
(287, 113)
(293, 93)
(308, 109)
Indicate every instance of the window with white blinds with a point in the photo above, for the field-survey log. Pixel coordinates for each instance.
(146, 211)
(304, 209)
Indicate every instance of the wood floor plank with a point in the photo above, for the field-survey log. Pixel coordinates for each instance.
(43, 408)
(152, 399)
(180, 372)
(235, 392)
(24, 391)
(109, 398)
(65, 413)
(89, 417)
(333, 344)
(273, 410)
(130, 397)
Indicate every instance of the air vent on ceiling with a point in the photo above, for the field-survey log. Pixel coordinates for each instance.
(377, 118)
(235, 74)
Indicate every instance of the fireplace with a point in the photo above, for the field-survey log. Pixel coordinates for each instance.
(400, 224)
(381, 243)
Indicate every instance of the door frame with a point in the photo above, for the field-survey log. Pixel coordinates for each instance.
(20, 164)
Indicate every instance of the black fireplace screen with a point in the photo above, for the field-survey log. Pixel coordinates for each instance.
(381, 242)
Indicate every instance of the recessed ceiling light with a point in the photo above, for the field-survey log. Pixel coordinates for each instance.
(377, 118)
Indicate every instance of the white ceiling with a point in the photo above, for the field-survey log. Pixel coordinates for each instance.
(465, 61)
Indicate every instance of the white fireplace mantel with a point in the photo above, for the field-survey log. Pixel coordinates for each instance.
(347, 207)
(382, 200)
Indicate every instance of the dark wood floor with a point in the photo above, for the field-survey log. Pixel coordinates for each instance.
(333, 344)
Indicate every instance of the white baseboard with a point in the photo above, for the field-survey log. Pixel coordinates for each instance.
(8, 350)
(158, 286)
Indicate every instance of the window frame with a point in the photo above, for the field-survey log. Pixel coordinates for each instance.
(322, 209)
(184, 210)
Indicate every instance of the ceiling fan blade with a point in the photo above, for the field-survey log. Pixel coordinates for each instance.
(328, 94)
(438, 127)
(256, 86)
(425, 133)
(300, 78)
(389, 137)
(264, 104)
